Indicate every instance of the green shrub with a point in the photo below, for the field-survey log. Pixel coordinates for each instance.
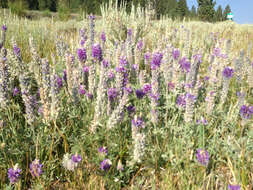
(18, 7)
(63, 10)
(46, 13)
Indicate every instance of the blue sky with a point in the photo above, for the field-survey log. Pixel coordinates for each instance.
(242, 9)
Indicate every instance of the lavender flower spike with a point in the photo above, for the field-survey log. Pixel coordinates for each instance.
(112, 93)
(4, 28)
(97, 52)
(82, 90)
(14, 174)
(105, 165)
(228, 72)
(15, 91)
(103, 150)
(147, 88)
(234, 187)
(103, 37)
(175, 54)
(156, 60)
(246, 112)
(202, 157)
(76, 158)
(81, 54)
(16, 51)
(181, 101)
(137, 122)
(36, 168)
(139, 93)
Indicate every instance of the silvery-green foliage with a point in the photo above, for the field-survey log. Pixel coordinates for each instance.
(35, 64)
(154, 95)
(3, 38)
(4, 79)
(116, 115)
(55, 97)
(61, 47)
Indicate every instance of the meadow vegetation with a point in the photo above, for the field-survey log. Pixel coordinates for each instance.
(125, 102)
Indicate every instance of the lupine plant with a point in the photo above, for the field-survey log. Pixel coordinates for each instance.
(125, 102)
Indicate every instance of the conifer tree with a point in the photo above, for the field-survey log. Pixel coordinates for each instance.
(206, 10)
(193, 12)
(182, 9)
(219, 14)
(226, 11)
(4, 3)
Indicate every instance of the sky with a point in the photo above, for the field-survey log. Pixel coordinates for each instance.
(242, 9)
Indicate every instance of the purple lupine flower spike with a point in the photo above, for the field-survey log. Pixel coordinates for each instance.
(129, 32)
(15, 91)
(36, 168)
(185, 65)
(82, 90)
(112, 93)
(202, 121)
(81, 54)
(86, 69)
(155, 96)
(105, 63)
(147, 88)
(103, 37)
(97, 52)
(175, 54)
(59, 81)
(171, 86)
(111, 75)
(202, 157)
(103, 150)
(234, 187)
(147, 56)
(156, 60)
(140, 45)
(16, 51)
(131, 109)
(217, 52)
(4, 28)
(228, 72)
(76, 158)
(197, 58)
(246, 112)
(105, 165)
(128, 89)
(89, 95)
(181, 101)
(137, 122)
(139, 93)
(14, 174)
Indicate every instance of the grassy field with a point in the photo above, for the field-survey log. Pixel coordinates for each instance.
(125, 102)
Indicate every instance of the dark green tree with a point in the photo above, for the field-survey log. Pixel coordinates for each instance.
(42, 4)
(161, 7)
(226, 11)
(172, 6)
(182, 9)
(33, 4)
(3, 3)
(219, 14)
(193, 12)
(206, 10)
(18, 7)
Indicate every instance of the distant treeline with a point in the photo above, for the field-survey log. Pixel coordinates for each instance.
(171, 8)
